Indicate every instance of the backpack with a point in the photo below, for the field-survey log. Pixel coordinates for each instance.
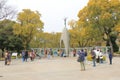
(81, 57)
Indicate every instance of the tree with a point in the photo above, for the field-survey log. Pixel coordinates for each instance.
(82, 34)
(51, 40)
(5, 10)
(104, 15)
(8, 40)
(29, 24)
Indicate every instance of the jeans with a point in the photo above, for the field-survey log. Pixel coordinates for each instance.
(101, 60)
(94, 63)
(110, 59)
(23, 58)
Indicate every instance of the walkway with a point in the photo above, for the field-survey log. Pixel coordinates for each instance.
(58, 69)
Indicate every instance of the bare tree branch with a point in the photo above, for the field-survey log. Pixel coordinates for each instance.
(6, 12)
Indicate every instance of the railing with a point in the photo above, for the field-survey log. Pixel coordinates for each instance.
(40, 51)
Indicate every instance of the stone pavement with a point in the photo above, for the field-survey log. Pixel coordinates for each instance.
(59, 69)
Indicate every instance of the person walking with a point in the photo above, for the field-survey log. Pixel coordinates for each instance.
(81, 59)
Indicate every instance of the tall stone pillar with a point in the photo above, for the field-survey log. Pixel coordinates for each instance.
(65, 38)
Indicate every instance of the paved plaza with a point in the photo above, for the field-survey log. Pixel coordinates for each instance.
(59, 69)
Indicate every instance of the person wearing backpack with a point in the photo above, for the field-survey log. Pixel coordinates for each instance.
(81, 59)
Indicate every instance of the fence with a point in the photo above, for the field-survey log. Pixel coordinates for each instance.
(40, 51)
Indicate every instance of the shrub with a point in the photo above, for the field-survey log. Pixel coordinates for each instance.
(118, 52)
(2, 59)
(89, 58)
(13, 57)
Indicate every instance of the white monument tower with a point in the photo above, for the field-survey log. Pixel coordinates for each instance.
(65, 38)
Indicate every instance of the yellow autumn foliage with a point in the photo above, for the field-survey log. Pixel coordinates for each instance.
(28, 25)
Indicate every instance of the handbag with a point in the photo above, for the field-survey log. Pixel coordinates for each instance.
(93, 57)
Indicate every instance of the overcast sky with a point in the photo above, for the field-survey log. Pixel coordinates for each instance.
(53, 11)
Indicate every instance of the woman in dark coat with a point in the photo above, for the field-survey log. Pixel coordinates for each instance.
(110, 56)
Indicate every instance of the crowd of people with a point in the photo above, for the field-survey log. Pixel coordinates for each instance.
(96, 55)
(28, 54)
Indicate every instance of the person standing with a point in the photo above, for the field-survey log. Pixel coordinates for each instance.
(26, 55)
(23, 55)
(97, 52)
(9, 58)
(6, 57)
(51, 53)
(45, 53)
(81, 59)
(74, 52)
(93, 54)
(110, 56)
(101, 56)
(85, 55)
(31, 55)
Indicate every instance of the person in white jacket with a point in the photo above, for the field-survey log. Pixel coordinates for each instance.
(101, 56)
(97, 55)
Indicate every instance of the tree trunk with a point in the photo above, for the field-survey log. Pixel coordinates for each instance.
(78, 43)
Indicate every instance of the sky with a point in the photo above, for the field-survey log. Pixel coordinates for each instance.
(53, 11)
